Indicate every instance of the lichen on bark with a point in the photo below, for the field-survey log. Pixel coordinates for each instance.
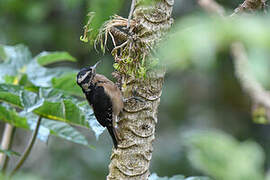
(137, 122)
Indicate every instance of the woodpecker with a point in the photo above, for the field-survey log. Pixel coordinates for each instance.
(104, 97)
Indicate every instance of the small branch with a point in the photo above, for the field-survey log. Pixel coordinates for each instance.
(28, 149)
(250, 5)
(212, 6)
(257, 93)
(5, 164)
(5, 144)
(259, 96)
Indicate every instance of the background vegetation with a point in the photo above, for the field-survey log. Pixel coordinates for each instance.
(205, 122)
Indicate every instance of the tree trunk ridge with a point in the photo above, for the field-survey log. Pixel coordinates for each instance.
(138, 120)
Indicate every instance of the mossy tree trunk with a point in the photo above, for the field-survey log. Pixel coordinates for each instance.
(138, 121)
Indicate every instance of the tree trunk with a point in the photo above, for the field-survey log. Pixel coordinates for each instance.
(137, 122)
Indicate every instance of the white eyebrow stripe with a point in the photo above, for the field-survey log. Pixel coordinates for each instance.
(83, 77)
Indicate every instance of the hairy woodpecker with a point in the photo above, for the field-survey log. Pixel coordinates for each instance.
(104, 97)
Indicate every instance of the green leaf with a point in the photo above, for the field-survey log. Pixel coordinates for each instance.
(11, 116)
(41, 76)
(46, 58)
(9, 153)
(28, 85)
(15, 60)
(59, 129)
(223, 157)
(56, 105)
(20, 65)
(21, 69)
(9, 79)
(52, 95)
(30, 100)
(65, 131)
(10, 94)
(67, 83)
(65, 111)
(22, 81)
(28, 121)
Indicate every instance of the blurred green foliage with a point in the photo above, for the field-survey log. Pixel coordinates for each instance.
(46, 58)
(20, 176)
(100, 11)
(223, 157)
(200, 90)
(199, 40)
(176, 177)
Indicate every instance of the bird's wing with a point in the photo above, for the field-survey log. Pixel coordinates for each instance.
(112, 90)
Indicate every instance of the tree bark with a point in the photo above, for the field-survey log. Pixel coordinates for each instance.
(250, 6)
(136, 124)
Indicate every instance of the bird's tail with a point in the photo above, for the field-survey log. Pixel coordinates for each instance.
(113, 135)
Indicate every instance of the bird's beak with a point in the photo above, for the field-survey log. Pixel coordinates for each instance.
(95, 66)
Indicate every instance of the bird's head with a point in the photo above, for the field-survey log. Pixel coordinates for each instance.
(86, 75)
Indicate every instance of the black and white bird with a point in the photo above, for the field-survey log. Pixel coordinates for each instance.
(104, 97)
